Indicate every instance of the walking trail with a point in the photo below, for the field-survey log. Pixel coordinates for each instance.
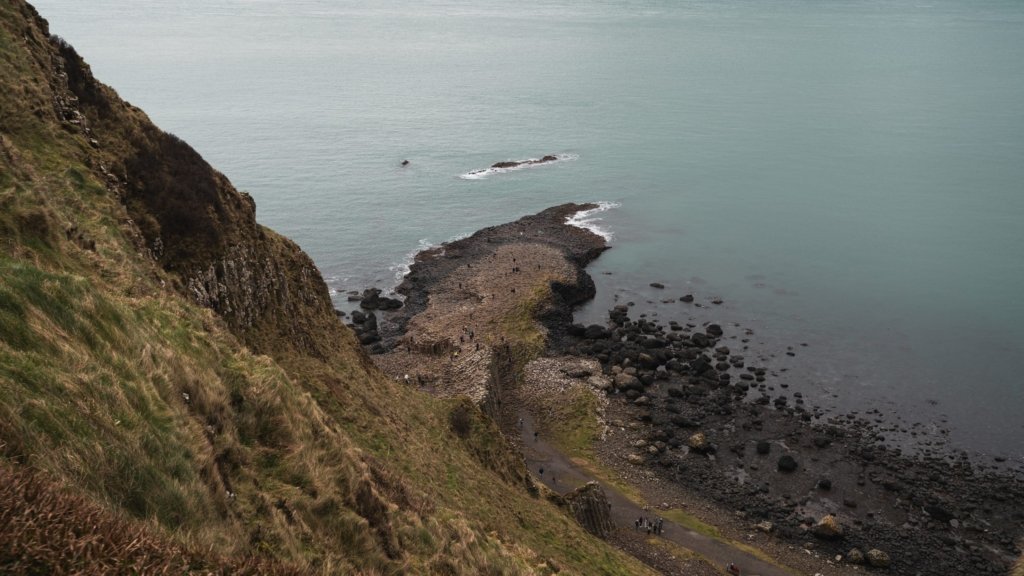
(562, 475)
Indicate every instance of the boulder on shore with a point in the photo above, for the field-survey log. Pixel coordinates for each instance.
(787, 463)
(828, 528)
(877, 558)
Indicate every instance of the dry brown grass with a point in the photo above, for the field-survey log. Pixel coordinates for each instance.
(46, 530)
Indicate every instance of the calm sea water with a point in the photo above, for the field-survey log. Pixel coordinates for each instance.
(845, 174)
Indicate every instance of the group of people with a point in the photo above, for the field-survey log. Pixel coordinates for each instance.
(655, 526)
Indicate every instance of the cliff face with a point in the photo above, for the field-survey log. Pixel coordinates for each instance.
(192, 221)
(171, 369)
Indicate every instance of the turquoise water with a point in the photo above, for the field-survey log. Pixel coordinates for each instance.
(845, 174)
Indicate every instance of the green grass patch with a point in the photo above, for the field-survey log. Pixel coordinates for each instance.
(691, 522)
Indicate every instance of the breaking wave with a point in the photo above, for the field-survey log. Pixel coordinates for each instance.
(588, 220)
(402, 268)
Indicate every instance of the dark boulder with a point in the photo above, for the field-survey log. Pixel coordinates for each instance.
(787, 463)
(700, 340)
(653, 343)
(684, 422)
(595, 332)
(389, 303)
(939, 512)
(371, 299)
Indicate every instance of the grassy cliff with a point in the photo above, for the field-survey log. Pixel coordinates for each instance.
(176, 392)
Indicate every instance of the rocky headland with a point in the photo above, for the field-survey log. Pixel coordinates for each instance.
(683, 414)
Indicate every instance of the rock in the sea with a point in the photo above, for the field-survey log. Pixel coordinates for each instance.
(828, 528)
(687, 298)
(787, 463)
(658, 285)
(877, 558)
(371, 299)
(589, 505)
(714, 330)
(595, 332)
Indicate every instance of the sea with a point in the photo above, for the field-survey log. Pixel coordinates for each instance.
(845, 176)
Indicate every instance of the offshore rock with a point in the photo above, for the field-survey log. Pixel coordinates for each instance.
(590, 507)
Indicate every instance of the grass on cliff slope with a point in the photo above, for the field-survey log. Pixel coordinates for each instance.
(146, 404)
(149, 413)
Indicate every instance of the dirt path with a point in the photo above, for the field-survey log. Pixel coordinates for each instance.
(562, 475)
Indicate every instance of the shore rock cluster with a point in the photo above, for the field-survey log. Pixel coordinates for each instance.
(704, 418)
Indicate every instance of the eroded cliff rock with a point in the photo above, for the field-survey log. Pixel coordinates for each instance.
(590, 507)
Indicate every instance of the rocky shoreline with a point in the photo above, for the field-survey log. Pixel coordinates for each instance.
(687, 409)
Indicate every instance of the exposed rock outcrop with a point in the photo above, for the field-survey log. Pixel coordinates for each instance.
(518, 163)
(590, 507)
(190, 219)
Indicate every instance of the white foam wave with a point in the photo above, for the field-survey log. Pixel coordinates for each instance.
(484, 173)
(402, 268)
(587, 220)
